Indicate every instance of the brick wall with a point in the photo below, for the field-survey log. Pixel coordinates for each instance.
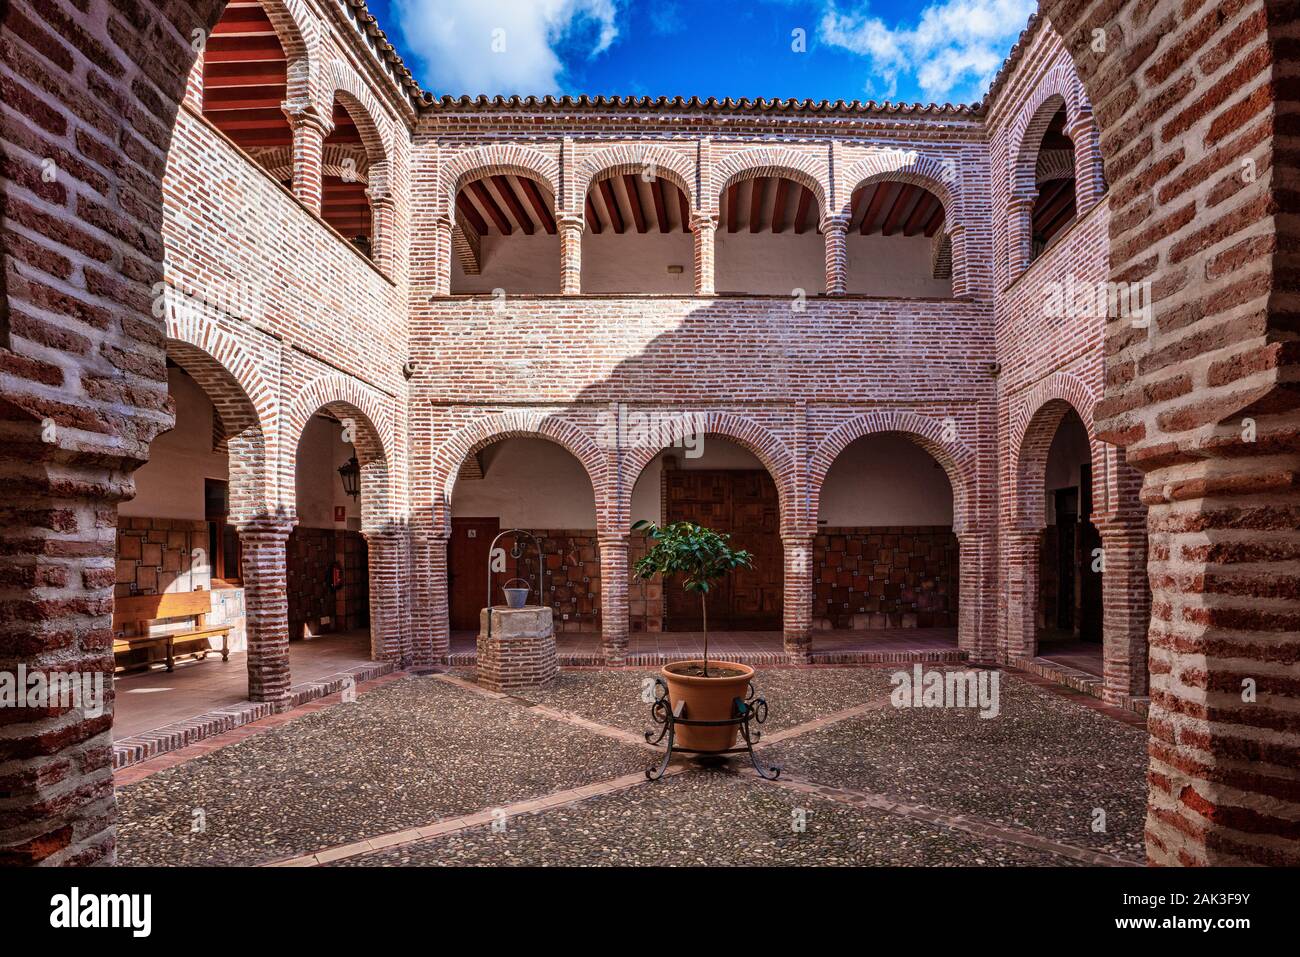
(885, 577)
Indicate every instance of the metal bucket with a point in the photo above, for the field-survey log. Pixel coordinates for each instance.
(516, 597)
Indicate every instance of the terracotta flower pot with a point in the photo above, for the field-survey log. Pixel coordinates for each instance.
(707, 699)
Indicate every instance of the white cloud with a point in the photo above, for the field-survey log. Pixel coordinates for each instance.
(502, 46)
(953, 50)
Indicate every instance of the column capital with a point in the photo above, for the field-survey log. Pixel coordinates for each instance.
(301, 114)
(379, 196)
(266, 527)
(571, 221)
(835, 223)
(703, 220)
(1020, 201)
(798, 536)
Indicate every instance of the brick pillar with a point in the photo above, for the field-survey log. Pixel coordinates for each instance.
(381, 229)
(1020, 238)
(705, 228)
(976, 558)
(834, 231)
(57, 563)
(1126, 611)
(389, 641)
(570, 254)
(962, 284)
(1022, 549)
(1089, 183)
(613, 598)
(798, 596)
(439, 605)
(266, 609)
(309, 132)
(442, 226)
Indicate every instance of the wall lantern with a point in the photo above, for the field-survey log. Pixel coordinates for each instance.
(351, 476)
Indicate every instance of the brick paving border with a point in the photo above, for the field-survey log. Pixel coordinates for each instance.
(868, 800)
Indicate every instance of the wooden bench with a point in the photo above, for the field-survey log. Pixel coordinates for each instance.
(140, 610)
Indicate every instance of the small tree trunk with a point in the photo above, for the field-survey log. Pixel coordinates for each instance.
(704, 620)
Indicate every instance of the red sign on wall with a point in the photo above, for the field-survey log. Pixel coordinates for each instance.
(340, 513)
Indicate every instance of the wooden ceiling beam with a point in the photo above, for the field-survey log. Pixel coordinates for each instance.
(507, 193)
(634, 202)
(801, 214)
(592, 219)
(733, 203)
(490, 207)
(661, 207)
(920, 214)
(539, 204)
(757, 189)
(778, 204)
(611, 206)
(901, 204)
(878, 196)
(472, 216)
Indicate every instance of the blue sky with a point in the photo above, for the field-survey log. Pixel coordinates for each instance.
(918, 51)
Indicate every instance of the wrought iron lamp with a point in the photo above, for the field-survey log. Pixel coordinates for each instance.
(351, 476)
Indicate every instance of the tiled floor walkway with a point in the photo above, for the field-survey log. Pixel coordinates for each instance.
(149, 700)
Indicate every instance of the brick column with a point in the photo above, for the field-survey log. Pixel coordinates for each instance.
(961, 277)
(834, 231)
(309, 132)
(571, 228)
(975, 561)
(1088, 177)
(705, 228)
(381, 230)
(389, 641)
(613, 597)
(439, 606)
(194, 85)
(266, 609)
(1020, 238)
(442, 226)
(57, 564)
(798, 596)
(1022, 549)
(1126, 611)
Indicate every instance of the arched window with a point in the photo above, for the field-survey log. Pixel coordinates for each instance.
(769, 238)
(896, 242)
(637, 236)
(505, 236)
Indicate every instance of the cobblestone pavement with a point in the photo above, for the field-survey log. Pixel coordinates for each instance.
(423, 751)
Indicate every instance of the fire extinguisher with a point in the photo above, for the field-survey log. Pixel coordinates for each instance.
(336, 576)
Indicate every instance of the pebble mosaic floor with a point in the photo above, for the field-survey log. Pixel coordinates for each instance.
(553, 777)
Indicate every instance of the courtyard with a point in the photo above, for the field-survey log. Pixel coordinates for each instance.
(433, 770)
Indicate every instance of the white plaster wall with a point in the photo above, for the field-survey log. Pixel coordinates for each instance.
(528, 483)
(170, 484)
(763, 263)
(885, 480)
(893, 266)
(321, 451)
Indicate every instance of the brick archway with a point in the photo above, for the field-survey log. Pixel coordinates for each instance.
(499, 159)
(521, 424)
(756, 162)
(668, 164)
(763, 444)
(906, 166)
(1033, 427)
(936, 437)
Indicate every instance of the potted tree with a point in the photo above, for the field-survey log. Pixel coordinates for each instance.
(703, 557)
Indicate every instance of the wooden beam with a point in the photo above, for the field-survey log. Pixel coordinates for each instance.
(634, 202)
(507, 193)
(920, 213)
(466, 209)
(538, 202)
(592, 219)
(733, 198)
(874, 205)
(757, 189)
(684, 209)
(490, 206)
(778, 205)
(661, 207)
(611, 206)
(896, 211)
(801, 214)
(935, 221)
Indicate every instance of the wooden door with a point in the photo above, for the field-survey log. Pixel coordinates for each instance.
(744, 504)
(467, 563)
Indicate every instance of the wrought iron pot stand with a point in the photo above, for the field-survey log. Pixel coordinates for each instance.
(750, 710)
